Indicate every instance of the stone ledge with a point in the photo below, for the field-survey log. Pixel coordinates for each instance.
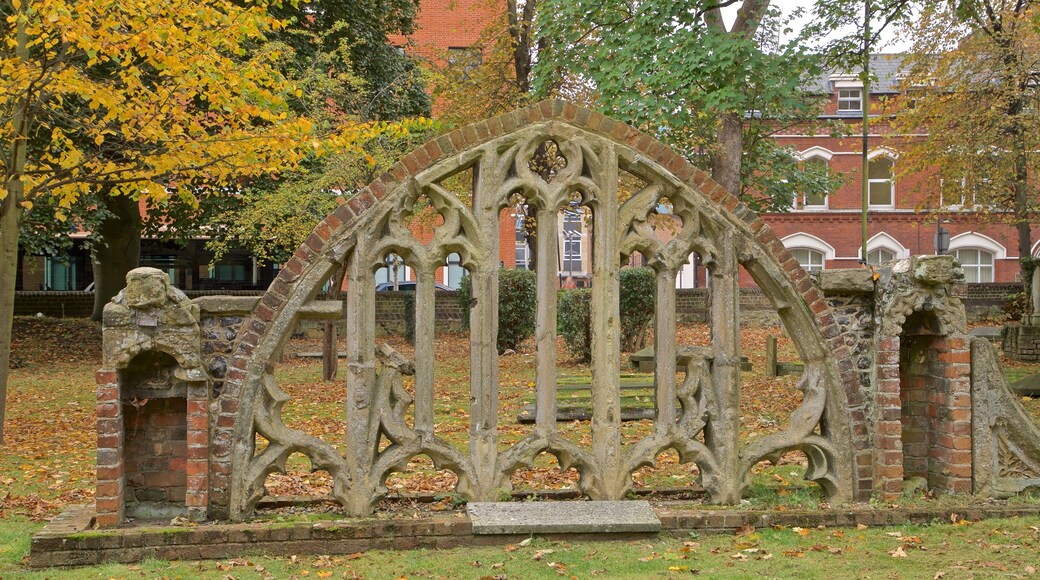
(69, 540)
(600, 517)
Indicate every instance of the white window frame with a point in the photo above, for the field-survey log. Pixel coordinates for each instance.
(803, 198)
(878, 251)
(982, 243)
(978, 268)
(891, 180)
(449, 268)
(522, 248)
(848, 99)
(804, 241)
(810, 265)
(884, 241)
(572, 241)
(978, 241)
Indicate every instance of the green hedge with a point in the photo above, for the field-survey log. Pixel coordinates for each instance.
(517, 298)
(636, 309)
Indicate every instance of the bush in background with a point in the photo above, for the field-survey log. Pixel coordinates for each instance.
(517, 299)
(574, 320)
(638, 289)
(636, 309)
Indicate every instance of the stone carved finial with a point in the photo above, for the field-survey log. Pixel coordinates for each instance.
(146, 288)
(937, 270)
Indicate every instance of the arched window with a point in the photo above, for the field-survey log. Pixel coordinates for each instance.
(883, 247)
(811, 252)
(881, 183)
(810, 260)
(977, 264)
(880, 256)
(977, 254)
(815, 200)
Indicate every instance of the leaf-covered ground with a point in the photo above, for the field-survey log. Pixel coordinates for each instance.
(48, 462)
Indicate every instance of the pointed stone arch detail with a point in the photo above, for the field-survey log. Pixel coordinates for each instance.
(717, 225)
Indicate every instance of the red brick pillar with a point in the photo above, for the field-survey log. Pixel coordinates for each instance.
(951, 449)
(196, 498)
(888, 469)
(109, 501)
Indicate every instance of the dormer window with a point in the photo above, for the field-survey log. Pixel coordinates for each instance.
(850, 100)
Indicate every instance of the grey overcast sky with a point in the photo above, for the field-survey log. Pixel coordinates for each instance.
(889, 41)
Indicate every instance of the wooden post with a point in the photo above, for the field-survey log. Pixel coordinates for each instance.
(771, 356)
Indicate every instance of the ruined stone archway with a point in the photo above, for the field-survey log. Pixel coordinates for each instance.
(922, 408)
(597, 149)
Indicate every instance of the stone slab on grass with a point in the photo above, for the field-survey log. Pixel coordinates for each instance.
(990, 333)
(1028, 386)
(577, 517)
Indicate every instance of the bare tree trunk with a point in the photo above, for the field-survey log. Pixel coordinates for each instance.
(725, 168)
(10, 212)
(10, 216)
(119, 251)
(1025, 235)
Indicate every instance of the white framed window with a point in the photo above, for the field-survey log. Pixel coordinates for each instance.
(815, 201)
(810, 260)
(977, 264)
(810, 251)
(881, 183)
(453, 271)
(572, 235)
(523, 249)
(880, 256)
(882, 247)
(850, 100)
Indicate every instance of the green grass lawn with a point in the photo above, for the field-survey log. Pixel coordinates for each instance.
(987, 549)
(48, 462)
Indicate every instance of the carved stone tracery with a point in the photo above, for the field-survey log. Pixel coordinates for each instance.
(699, 418)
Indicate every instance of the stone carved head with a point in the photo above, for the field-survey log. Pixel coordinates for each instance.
(146, 288)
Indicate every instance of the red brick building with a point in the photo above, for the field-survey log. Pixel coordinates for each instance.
(823, 232)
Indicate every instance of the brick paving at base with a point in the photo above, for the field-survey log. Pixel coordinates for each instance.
(69, 539)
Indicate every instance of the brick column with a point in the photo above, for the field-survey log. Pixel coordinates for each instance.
(196, 497)
(950, 468)
(111, 482)
(888, 468)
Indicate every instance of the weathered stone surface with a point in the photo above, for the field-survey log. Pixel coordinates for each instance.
(849, 281)
(935, 270)
(226, 305)
(1005, 438)
(572, 517)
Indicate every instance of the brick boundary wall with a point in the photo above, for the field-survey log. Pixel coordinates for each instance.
(691, 304)
(69, 541)
(1022, 343)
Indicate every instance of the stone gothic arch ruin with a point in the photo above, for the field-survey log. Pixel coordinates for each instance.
(699, 418)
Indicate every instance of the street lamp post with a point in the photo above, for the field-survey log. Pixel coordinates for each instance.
(942, 237)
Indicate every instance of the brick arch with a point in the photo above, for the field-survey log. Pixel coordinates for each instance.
(799, 302)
